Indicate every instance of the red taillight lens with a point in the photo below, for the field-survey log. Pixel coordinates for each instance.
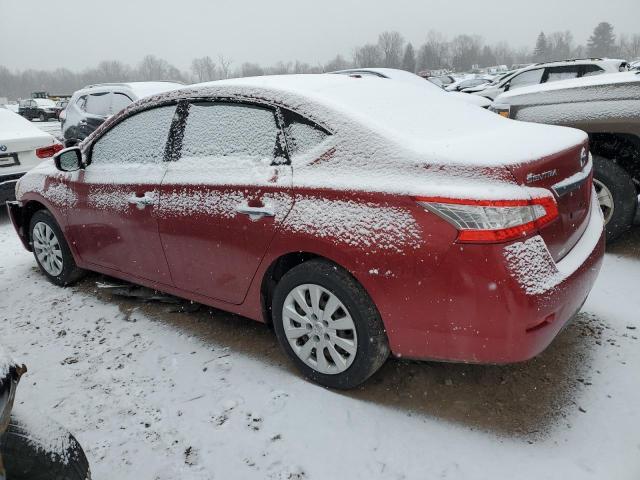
(492, 221)
(50, 151)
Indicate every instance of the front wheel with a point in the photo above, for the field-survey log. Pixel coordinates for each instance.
(617, 196)
(52, 251)
(328, 325)
(42, 117)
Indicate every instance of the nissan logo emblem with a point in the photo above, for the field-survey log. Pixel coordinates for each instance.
(3, 148)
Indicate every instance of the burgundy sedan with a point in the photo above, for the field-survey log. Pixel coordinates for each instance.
(357, 216)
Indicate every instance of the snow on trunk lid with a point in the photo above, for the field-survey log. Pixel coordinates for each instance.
(568, 176)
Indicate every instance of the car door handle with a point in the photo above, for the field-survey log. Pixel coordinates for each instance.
(148, 198)
(256, 213)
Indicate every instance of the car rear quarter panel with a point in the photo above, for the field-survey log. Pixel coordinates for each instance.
(390, 244)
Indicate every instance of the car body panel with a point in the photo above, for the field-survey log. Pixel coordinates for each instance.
(351, 201)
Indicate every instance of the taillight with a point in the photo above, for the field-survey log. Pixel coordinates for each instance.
(50, 151)
(501, 109)
(492, 221)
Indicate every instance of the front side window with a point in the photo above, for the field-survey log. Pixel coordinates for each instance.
(531, 77)
(140, 138)
(562, 73)
(223, 131)
(98, 104)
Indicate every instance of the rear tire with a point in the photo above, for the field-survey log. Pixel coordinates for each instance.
(360, 329)
(26, 458)
(42, 117)
(617, 196)
(51, 250)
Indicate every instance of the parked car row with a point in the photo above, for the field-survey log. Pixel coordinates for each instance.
(22, 146)
(89, 107)
(546, 73)
(607, 107)
(422, 226)
(42, 109)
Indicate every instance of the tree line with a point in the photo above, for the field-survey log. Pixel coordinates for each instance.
(462, 53)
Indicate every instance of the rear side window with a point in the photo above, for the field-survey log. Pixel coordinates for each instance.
(119, 102)
(590, 70)
(302, 135)
(562, 73)
(531, 77)
(81, 102)
(98, 104)
(140, 138)
(222, 131)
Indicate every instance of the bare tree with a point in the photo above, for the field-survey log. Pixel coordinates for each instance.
(113, 71)
(338, 63)
(559, 46)
(391, 45)
(203, 69)
(433, 53)
(368, 56)
(225, 66)
(152, 68)
(248, 69)
(630, 47)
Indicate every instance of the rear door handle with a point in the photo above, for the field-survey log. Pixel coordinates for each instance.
(256, 213)
(148, 198)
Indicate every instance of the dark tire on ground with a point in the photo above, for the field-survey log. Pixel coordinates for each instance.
(26, 458)
(372, 346)
(70, 272)
(624, 194)
(42, 117)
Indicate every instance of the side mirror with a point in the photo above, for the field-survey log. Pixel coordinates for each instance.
(69, 159)
(507, 86)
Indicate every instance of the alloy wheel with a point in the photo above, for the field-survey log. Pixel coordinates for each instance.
(605, 199)
(319, 329)
(47, 249)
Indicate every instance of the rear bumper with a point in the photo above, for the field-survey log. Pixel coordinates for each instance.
(479, 310)
(8, 186)
(16, 214)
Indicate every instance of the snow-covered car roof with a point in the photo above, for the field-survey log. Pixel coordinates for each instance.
(574, 83)
(137, 89)
(408, 77)
(421, 122)
(44, 102)
(16, 127)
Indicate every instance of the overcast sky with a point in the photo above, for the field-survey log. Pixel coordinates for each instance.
(79, 33)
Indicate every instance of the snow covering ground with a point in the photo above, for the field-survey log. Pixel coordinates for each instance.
(155, 394)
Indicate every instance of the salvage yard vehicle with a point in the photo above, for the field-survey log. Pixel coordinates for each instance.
(412, 78)
(42, 109)
(608, 109)
(92, 105)
(549, 72)
(22, 146)
(33, 447)
(460, 85)
(333, 208)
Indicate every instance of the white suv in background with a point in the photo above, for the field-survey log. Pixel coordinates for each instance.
(92, 105)
(549, 72)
